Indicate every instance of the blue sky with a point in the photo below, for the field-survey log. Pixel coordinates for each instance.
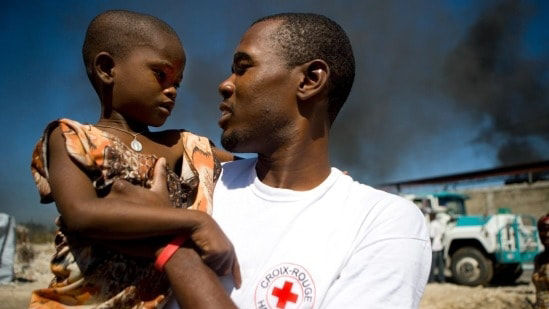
(413, 111)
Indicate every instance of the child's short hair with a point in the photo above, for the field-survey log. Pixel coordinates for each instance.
(118, 32)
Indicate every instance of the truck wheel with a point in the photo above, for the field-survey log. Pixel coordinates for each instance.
(471, 267)
(507, 273)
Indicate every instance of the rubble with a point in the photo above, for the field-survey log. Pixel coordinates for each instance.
(36, 274)
(451, 296)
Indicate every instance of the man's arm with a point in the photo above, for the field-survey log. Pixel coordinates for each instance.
(389, 266)
(193, 283)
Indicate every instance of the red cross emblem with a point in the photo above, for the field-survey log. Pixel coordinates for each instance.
(284, 295)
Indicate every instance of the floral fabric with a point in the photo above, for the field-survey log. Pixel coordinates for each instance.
(88, 275)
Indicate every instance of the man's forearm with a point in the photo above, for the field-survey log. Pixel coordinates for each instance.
(194, 284)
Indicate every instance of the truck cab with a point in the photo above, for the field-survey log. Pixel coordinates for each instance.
(480, 249)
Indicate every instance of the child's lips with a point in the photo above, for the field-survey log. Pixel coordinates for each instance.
(167, 106)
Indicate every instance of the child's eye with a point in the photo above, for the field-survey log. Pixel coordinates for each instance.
(160, 74)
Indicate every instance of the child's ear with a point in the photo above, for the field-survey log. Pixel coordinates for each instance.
(315, 78)
(103, 64)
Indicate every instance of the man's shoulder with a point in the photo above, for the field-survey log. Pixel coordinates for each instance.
(236, 169)
(238, 165)
(377, 197)
(398, 207)
(387, 213)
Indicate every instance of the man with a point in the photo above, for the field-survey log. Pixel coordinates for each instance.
(436, 232)
(306, 235)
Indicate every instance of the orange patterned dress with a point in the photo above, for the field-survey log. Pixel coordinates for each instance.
(87, 275)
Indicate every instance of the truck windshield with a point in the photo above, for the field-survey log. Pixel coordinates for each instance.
(454, 205)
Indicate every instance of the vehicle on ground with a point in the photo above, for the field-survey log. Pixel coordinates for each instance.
(480, 249)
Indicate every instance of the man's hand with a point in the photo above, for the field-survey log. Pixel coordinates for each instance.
(215, 249)
(193, 283)
(157, 195)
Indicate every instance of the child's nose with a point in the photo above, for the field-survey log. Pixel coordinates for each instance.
(171, 92)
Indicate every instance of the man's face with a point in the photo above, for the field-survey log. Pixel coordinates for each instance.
(259, 109)
(146, 81)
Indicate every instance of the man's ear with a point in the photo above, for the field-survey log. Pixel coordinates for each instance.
(103, 65)
(315, 78)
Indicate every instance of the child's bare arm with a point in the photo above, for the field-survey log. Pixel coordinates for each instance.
(132, 212)
(110, 218)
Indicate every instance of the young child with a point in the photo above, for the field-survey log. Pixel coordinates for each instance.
(540, 277)
(135, 63)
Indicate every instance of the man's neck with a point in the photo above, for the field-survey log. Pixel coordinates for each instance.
(299, 167)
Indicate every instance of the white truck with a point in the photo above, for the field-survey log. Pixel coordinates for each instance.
(481, 249)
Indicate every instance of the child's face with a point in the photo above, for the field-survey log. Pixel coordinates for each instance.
(146, 81)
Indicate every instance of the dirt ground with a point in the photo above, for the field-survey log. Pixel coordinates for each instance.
(451, 296)
(437, 296)
(16, 295)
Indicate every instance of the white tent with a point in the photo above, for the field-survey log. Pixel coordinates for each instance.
(7, 247)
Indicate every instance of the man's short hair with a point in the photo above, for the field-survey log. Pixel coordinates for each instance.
(118, 32)
(303, 37)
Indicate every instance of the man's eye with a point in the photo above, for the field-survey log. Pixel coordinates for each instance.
(239, 69)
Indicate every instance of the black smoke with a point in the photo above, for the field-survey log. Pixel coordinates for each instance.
(489, 77)
(424, 71)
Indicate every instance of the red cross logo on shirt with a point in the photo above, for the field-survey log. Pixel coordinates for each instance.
(284, 295)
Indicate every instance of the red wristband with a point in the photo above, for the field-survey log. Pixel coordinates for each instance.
(168, 251)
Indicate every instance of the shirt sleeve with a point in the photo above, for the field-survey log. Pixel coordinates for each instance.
(80, 144)
(390, 267)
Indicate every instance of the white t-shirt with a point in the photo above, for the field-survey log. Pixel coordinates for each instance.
(339, 245)
(436, 230)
